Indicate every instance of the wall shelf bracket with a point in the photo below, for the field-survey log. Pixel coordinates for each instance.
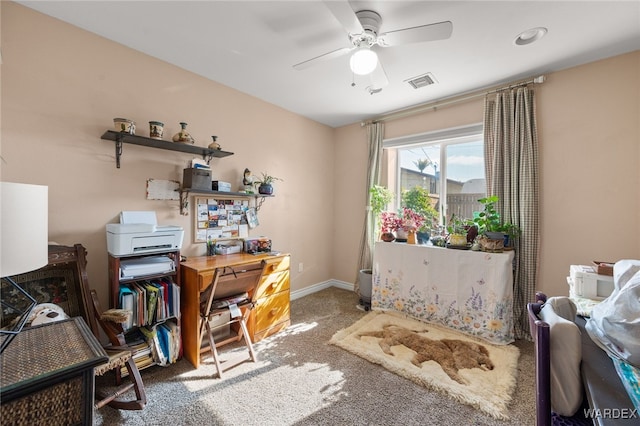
(118, 151)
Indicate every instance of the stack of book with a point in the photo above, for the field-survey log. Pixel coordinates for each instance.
(165, 342)
(141, 350)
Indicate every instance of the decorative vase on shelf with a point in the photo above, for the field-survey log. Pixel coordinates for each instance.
(401, 235)
(183, 136)
(387, 237)
(411, 237)
(214, 144)
(156, 129)
(265, 189)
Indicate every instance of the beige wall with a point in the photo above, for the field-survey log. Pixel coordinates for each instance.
(589, 138)
(61, 88)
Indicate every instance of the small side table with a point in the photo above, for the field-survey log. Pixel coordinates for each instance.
(46, 375)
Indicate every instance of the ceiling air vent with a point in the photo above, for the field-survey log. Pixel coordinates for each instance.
(422, 80)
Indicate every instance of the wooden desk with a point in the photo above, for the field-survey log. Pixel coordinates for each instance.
(47, 375)
(465, 290)
(271, 313)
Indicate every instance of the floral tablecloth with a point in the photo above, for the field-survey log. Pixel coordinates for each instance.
(465, 290)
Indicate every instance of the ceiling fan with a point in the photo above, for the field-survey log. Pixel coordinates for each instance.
(363, 29)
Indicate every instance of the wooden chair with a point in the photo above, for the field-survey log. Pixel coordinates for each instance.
(119, 356)
(231, 291)
(64, 282)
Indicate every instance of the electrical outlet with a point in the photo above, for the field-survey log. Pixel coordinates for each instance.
(300, 267)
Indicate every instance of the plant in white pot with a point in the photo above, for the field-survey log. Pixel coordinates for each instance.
(265, 184)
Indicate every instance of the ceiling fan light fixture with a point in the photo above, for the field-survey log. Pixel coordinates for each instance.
(363, 61)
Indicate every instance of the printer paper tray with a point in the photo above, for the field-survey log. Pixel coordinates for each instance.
(132, 268)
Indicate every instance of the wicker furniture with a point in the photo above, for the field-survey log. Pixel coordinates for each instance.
(64, 282)
(47, 375)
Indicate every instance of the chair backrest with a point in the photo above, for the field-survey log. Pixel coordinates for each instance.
(229, 281)
(63, 281)
(540, 333)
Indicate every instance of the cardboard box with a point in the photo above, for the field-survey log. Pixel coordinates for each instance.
(196, 179)
(604, 268)
(585, 282)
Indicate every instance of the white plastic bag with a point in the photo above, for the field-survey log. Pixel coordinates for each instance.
(615, 322)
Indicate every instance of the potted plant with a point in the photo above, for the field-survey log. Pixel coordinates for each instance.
(418, 200)
(264, 184)
(488, 220)
(494, 234)
(410, 222)
(457, 229)
(389, 223)
(511, 233)
(380, 196)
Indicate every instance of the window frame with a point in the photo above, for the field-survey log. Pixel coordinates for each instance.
(443, 137)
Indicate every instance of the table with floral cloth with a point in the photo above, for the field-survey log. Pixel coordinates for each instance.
(465, 290)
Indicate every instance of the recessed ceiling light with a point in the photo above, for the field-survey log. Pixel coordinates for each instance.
(530, 36)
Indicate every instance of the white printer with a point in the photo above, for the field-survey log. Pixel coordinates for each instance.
(139, 233)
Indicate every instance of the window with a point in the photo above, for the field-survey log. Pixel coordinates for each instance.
(448, 164)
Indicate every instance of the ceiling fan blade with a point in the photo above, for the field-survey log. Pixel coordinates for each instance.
(333, 54)
(345, 15)
(379, 77)
(431, 32)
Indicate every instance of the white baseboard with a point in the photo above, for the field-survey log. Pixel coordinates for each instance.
(321, 286)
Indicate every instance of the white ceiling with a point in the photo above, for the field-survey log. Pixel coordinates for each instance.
(252, 45)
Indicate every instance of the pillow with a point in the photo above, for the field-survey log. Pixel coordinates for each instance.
(564, 307)
(566, 355)
(46, 313)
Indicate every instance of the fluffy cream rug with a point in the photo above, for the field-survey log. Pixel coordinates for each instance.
(487, 390)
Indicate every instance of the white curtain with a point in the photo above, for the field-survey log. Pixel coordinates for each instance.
(511, 165)
(375, 135)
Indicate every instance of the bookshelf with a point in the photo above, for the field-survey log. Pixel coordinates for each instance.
(154, 331)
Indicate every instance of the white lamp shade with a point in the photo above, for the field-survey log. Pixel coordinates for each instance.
(363, 61)
(24, 226)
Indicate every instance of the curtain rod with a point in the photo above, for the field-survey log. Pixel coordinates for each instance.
(451, 100)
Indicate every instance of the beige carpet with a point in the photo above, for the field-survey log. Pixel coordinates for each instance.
(487, 390)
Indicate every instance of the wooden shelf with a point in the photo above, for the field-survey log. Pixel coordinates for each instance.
(184, 195)
(120, 137)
